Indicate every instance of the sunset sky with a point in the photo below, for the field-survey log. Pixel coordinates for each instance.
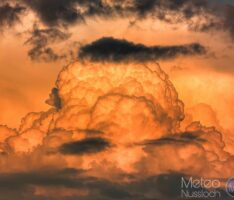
(96, 94)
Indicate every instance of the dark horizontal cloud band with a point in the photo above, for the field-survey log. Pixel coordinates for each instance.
(85, 146)
(116, 50)
(216, 14)
(68, 12)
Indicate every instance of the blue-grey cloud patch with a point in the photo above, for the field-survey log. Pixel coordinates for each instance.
(85, 146)
(183, 138)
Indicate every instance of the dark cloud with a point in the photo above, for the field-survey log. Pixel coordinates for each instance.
(159, 8)
(92, 131)
(41, 39)
(115, 50)
(215, 14)
(43, 177)
(166, 185)
(55, 99)
(24, 183)
(54, 11)
(10, 14)
(67, 12)
(229, 19)
(162, 186)
(62, 13)
(85, 146)
(183, 138)
(46, 54)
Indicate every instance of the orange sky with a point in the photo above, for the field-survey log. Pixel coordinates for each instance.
(76, 127)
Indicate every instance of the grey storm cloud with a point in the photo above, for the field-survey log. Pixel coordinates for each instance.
(21, 184)
(42, 177)
(116, 50)
(163, 186)
(68, 12)
(228, 20)
(57, 14)
(54, 99)
(85, 146)
(10, 14)
(183, 138)
(40, 41)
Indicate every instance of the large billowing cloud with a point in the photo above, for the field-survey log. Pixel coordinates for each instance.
(116, 50)
(113, 133)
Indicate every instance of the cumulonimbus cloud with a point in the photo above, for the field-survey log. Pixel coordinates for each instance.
(118, 128)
